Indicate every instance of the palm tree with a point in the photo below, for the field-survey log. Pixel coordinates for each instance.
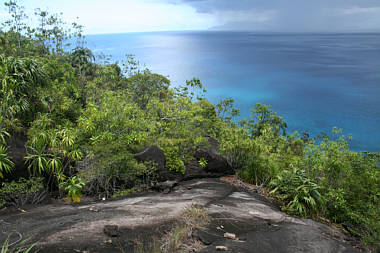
(82, 60)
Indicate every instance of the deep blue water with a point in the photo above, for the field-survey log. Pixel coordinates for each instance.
(315, 81)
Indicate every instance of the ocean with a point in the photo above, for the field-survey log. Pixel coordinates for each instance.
(314, 81)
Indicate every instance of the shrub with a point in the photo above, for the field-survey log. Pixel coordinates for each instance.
(6, 165)
(299, 194)
(123, 192)
(22, 192)
(257, 160)
(73, 186)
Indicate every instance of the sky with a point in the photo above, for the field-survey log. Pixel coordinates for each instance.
(116, 16)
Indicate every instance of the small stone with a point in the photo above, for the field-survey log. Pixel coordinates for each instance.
(221, 248)
(111, 230)
(230, 236)
(93, 209)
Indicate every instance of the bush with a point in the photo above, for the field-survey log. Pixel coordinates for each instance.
(6, 165)
(22, 192)
(124, 192)
(258, 159)
(73, 186)
(299, 194)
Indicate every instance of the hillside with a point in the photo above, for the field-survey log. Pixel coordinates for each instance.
(74, 127)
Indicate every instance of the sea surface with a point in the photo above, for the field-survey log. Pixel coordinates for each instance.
(314, 81)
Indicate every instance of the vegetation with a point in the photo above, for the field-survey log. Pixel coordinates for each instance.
(73, 186)
(180, 237)
(22, 192)
(84, 120)
(17, 247)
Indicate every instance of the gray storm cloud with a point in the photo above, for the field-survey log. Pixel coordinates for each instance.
(291, 15)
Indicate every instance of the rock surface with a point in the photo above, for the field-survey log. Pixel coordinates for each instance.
(217, 164)
(17, 152)
(152, 154)
(258, 224)
(166, 186)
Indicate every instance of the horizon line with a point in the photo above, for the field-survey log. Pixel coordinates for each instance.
(242, 31)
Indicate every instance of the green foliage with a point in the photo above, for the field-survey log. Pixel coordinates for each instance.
(261, 117)
(81, 58)
(86, 118)
(225, 109)
(6, 165)
(123, 192)
(349, 183)
(16, 23)
(259, 159)
(38, 160)
(19, 247)
(300, 194)
(73, 186)
(173, 159)
(20, 79)
(111, 131)
(203, 162)
(309, 177)
(145, 85)
(24, 191)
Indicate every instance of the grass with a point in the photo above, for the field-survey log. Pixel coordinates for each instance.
(180, 237)
(18, 247)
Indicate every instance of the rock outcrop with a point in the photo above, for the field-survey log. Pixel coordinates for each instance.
(216, 164)
(152, 154)
(17, 152)
(256, 224)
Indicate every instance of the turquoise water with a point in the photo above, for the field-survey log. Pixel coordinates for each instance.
(315, 81)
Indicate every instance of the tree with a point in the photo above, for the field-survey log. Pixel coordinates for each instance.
(16, 23)
(262, 116)
(144, 85)
(225, 111)
(81, 59)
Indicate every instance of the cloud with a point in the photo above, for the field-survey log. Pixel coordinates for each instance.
(294, 15)
(112, 16)
(116, 16)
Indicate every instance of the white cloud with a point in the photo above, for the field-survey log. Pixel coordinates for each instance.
(115, 16)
